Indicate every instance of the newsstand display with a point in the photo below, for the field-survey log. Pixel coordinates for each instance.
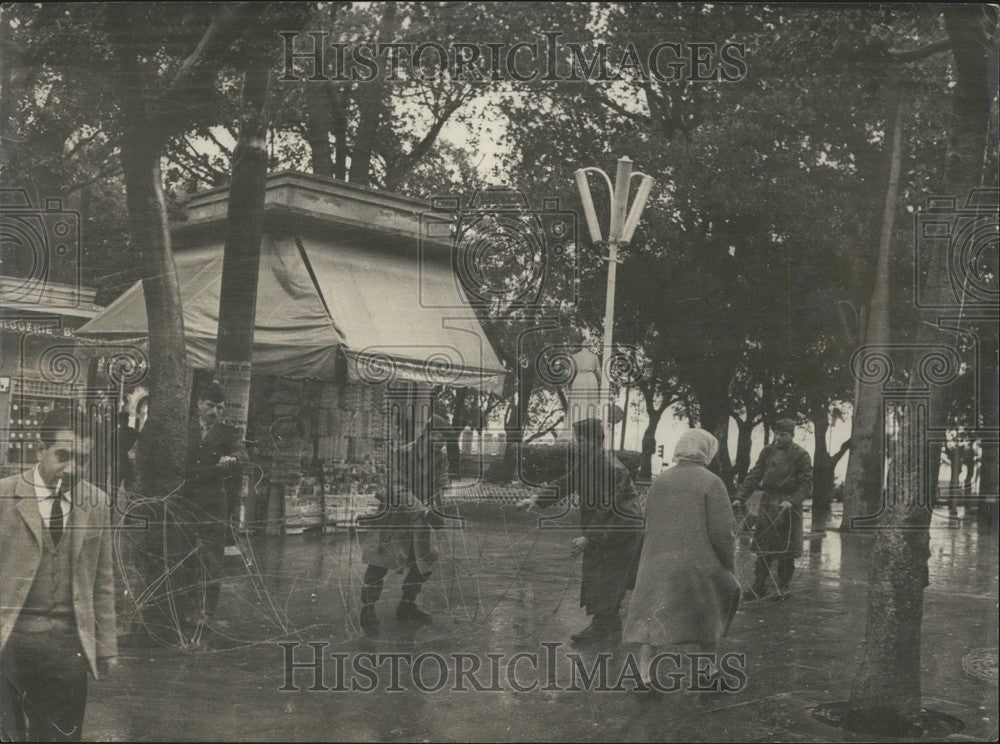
(321, 446)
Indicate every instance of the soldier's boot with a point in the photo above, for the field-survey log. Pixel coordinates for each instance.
(408, 612)
(369, 621)
(761, 571)
(601, 628)
(786, 568)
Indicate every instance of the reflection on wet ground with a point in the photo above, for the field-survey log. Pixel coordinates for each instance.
(505, 587)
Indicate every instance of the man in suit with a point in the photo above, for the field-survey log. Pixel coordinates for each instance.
(57, 598)
(215, 450)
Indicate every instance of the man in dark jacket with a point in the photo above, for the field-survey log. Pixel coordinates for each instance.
(611, 523)
(400, 537)
(215, 450)
(126, 437)
(775, 488)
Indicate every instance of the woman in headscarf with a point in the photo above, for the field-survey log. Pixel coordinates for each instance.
(686, 592)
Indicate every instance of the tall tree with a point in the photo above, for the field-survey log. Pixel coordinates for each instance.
(241, 252)
(153, 109)
(886, 691)
(863, 484)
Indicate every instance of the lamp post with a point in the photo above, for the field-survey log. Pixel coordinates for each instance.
(620, 231)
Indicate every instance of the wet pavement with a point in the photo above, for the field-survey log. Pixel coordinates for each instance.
(505, 587)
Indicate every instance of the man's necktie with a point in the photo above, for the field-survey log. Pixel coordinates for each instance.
(56, 518)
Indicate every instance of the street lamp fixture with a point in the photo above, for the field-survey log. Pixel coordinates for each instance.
(621, 227)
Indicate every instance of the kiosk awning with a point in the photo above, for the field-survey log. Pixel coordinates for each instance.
(392, 315)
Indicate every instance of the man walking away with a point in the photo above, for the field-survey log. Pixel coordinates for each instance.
(57, 598)
(611, 523)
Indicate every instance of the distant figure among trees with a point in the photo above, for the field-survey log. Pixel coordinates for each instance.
(774, 489)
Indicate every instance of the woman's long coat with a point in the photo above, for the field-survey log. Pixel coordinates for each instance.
(685, 589)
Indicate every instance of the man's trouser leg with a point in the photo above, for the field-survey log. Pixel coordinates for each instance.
(413, 583)
(609, 617)
(608, 620)
(212, 552)
(43, 686)
(786, 567)
(371, 588)
(761, 574)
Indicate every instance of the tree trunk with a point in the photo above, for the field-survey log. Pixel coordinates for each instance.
(241, 255)
(935, 477)
(989, 474)
(713, 407)
(887, 687)
(823, 465)
(653, 416)
(318, 118)
(513, 437)
(514, 423)
(163, 446)
(10, 93)
(743, 445)
(649, 447)
(989, 485)
(371, 109)
(241, 258)
(955, 475)
(886, 692)
(454, 445)
(338, 107)
(863, 483)
(621, 443)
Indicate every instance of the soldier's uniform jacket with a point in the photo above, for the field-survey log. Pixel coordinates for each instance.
(400, 534)
(611, 520)
(609, 504)
(783, 474)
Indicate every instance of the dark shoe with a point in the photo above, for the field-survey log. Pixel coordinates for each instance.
(751, 595)
(589, 632)
(408, 612)
(369, 621)
(596, 632)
